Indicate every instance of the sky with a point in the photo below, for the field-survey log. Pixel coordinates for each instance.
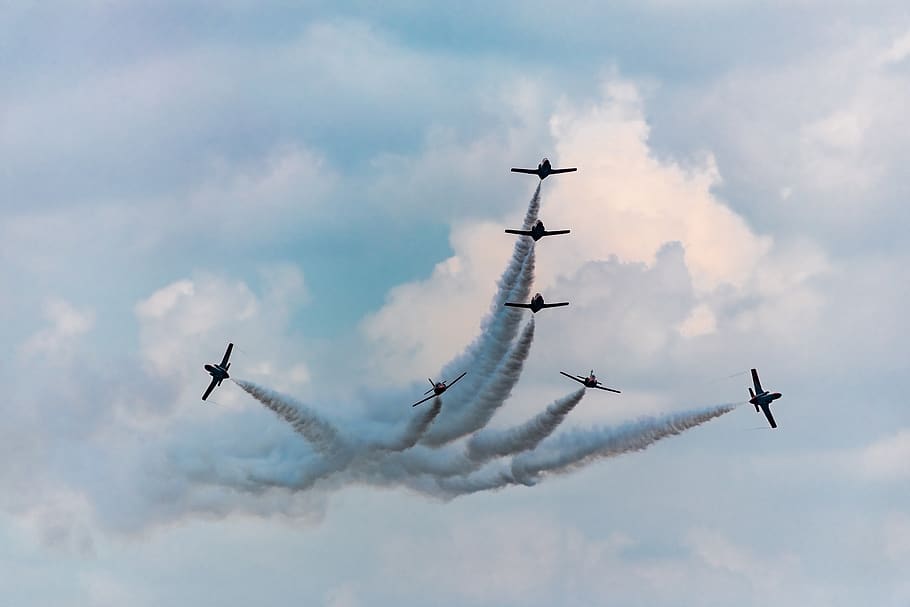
(326, 184)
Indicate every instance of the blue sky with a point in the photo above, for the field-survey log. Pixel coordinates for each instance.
(326, 186)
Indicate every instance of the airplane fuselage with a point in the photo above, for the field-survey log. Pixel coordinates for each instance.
(543, 169)
(765, 398)
(591, 382)
(537, 303)
(217, 372)
(538, 231)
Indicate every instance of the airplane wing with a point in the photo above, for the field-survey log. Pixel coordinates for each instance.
(608, 389)
(554, 305)
(555, 232)
(210, 388)
(456, 379)
(424, 400)
(555, 171)
(756, 381)
(766, 409)
(528, 171)
(227, 355)
(517, 305)
(579, 380)
(519, 232)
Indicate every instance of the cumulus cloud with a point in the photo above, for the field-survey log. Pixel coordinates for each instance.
(625, 203)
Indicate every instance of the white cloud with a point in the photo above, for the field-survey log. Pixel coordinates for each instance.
(624, 203)
(190, 321)
(67, 324)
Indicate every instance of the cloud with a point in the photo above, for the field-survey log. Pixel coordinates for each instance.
(623, 204)
(67, 325)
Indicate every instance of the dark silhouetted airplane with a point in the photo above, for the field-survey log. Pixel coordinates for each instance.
(590, 381)
(543, 170)
(763, 398)
(438, 388)
(537, 232)
(218, 372)
(537, 304)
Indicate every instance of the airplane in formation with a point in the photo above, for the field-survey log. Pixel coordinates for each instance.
(543, 170)
(537, 304)
(438, 388)
(763, 398)
(590, 381)
(538, 231)
(218, 372)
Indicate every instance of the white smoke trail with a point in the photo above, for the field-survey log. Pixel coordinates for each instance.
(489, 444)
(580, 447)
(501, 324)
(490, 397)
(324, 437)
(576, 449)
(414, 430)
(482, 447)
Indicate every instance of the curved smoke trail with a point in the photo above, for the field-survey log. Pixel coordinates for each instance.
(579, 447)
(501, 324)
(414, 430)
(576, 449)
(489, 398)
(415, 456)
(324, 437)
(490, 444)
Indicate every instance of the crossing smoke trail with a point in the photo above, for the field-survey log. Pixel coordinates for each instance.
(419, 454)
(415, 428)
(489, 444)
(490, 397)
(486, 445)
(319, 432)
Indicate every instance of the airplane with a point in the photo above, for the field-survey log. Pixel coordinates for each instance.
(543, 170)
(763, 398)
(590, 381)
(438, 388)
(537, 232)
(537, 304)
(218, 372)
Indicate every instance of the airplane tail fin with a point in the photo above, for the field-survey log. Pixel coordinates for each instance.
(752, 395)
